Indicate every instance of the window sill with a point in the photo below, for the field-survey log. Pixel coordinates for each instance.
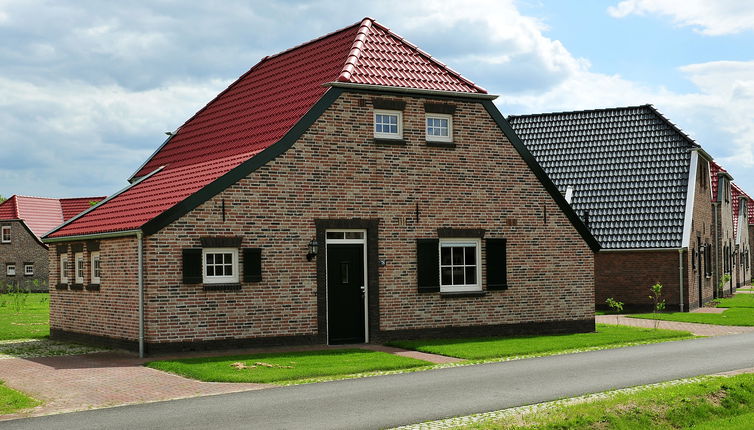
(221, 287)
(77, 287)
(388, 142)
(440, 144)
(92, 287)
(61, 286)
(459, 294)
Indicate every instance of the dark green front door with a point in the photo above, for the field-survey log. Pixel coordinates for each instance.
(345, 293)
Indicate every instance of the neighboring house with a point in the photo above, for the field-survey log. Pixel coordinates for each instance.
(642, 186)
(345, 190)
(23, 220)
(741, 254)
(750, 219)
(724, 239)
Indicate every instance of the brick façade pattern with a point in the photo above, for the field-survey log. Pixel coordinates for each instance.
(110, 312)
(23, 248)
(337, 171)
(743, 270)
(751, 254)
(725, 240)
(700, 287)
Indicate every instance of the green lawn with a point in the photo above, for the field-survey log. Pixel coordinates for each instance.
(713, 403)
(12, 400)
(740, 313)
(24, 316)
(486, 348)
(289, 366)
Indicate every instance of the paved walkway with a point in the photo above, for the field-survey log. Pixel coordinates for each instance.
(697, 329)
(80, 382)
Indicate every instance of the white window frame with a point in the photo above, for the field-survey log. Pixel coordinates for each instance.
(454, 242)
(382, 134)
(10, 269)
(63, 268)
(233, 279)
(434, 138)
(95, 266)
(28, 269)
(78, 269)
(5, 232)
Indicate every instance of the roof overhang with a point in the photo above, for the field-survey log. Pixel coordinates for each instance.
(92, 236)
(413, 91)
(703, 153)
(641, 249)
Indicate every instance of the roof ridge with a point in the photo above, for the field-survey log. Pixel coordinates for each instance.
(582, 111)
(316, 39)
(356, 50)
(675, 127)
(429, 57)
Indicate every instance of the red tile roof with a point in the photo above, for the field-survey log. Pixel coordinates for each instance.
(258, 109)
(42, 214)
(737, 192)
(714, 170)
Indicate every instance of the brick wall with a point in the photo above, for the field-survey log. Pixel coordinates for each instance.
(743, 270)
(23, 248)
(751, 254)
(725, 239)
(627, 276)
(336, 171)
(702, 228)
(111, 311)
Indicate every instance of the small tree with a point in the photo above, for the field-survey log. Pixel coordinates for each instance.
(657, 304)
(616, 306)
(723, 280)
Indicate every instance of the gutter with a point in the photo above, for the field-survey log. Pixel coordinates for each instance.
(140, 262)
(680, 278)
(640, 249)
(107, 235)
(417, 91)
(717, 287)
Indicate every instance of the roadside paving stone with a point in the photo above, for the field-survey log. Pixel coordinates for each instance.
(694, 328)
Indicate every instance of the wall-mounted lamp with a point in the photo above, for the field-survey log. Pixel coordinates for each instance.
(313, 249)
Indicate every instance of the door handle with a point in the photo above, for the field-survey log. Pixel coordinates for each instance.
(363, 289)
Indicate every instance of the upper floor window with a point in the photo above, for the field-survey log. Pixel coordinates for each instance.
(10, 269)
(439, 127)
(95, 266)
(78, 258)
(28, 269)
(5, 234)
(388, 124)
(220, 265)
(63, 268)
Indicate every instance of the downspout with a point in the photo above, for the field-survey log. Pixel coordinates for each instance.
(680, 276)
(717, 285)
(140, 251)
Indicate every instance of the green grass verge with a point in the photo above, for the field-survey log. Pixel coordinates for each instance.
(289, 366)
(24, 316)
(486, 348)
(697, 405)
(740, 313)
(12, 401)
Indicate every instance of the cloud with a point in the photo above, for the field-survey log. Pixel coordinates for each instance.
(713, 18)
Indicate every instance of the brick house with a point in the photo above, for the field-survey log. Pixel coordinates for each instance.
(750, 219)
(23, 221)
(724, 240)
(643, 188)
(345, 190)
(741, 254)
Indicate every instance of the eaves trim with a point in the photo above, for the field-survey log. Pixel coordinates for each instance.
(541, 175)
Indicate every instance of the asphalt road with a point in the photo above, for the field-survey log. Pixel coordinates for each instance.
(388, 401)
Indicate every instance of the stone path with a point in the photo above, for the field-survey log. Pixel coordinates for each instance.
(695, 328)
(80, 382)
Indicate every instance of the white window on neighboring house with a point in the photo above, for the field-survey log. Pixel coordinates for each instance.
(439, 127)
(95, 265)
(28, 269)
(220, 265)
(10, 269)
(388, 124)
(78, 258)
(460, 265)
(5, 234)
(63, 268)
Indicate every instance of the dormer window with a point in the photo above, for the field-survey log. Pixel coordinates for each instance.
(388, 124)
(439, 127)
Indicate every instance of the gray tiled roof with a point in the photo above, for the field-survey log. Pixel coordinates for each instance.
(628, 167)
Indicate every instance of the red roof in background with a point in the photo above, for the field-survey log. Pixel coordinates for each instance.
(42, 214)
(714, 170)
(258, 109)
(737, 192)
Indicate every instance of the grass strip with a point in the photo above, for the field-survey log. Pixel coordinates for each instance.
(24, 316)
(740, 313)
(714, 402)
(289, 366)
(12, 400)
(487, 348)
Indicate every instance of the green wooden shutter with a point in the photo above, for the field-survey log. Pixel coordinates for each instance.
(252, 264)
(497, 266)
(428, 265)
(192, 266)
